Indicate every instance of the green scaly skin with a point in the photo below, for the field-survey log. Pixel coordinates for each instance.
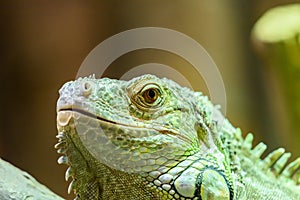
(149, 138)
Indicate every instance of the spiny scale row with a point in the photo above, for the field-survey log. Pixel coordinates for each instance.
(61, 149)
(275, 161)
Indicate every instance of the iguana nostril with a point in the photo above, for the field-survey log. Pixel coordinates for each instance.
(86, 88)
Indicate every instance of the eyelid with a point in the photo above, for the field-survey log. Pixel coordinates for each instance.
(150, 86)
(135, 93)
(141, 101)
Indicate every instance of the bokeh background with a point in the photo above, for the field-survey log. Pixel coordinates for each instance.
(44, 42)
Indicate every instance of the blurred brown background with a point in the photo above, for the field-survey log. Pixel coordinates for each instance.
(44, 42)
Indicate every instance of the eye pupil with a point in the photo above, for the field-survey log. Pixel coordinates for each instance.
(151, 94)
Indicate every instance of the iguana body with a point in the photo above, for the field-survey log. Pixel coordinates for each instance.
(149, 138)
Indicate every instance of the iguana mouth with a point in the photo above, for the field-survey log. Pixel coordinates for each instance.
(63, 119)
(86, 113)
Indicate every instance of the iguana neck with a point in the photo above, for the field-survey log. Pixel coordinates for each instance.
(93, 180)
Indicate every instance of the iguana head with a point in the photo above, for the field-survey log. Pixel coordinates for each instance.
(147, 127)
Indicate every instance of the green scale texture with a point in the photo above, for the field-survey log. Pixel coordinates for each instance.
(149, 138)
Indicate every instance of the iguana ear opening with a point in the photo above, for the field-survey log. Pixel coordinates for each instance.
(201, 134)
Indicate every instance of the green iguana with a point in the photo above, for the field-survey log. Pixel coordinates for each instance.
(149, 138)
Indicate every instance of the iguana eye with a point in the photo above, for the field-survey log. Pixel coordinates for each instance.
(146, 98)
(150, 95)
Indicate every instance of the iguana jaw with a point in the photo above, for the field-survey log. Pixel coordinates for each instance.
(65, 114)
(86, 113)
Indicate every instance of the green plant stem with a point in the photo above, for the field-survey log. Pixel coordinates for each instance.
(276, 36)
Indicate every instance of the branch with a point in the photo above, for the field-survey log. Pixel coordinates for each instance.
(16, 184)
